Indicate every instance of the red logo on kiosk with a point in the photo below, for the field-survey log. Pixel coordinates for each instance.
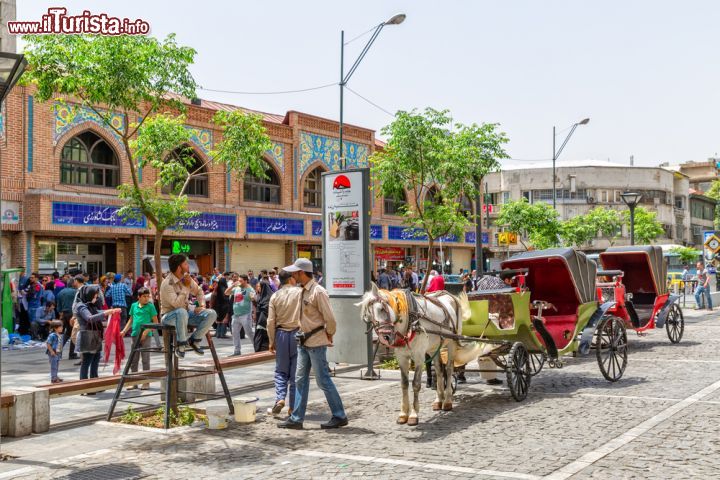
(341, 182)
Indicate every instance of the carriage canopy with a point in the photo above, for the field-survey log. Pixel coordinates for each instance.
(556, 274)
(644, 266)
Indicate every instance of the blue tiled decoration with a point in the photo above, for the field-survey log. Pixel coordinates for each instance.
(470, 237)
(275, 226)
(316, 228)
(83, 214)
(376, 232)
(201, 137)
(69, 115)
(448, 238)
(315, 147)
(405, 233)
(212, 222)
(277, 154)
(2, 121)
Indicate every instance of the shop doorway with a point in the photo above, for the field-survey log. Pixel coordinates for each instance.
(69, 256)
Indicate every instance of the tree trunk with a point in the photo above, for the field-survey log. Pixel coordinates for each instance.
(431, 242)
(158, 264)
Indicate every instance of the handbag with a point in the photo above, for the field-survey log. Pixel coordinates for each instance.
(89, 341)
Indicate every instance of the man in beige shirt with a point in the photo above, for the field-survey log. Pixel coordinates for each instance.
(176, 310)
(317, 324)
(282, 325)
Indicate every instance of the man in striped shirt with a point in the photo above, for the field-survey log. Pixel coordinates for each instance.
(117, 292)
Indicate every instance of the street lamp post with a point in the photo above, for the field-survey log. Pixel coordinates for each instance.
(631, 199)
(556, 153)
(394, 20)
(12, 66)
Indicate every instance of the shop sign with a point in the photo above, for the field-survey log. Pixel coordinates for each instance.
(180, 247)
(304, 254)
(275, 226)
(83, 214)
(316, 228)
(390, 253)
(406, 233)
(346, 207)
(470, 238)
(211, 222)
(10, 212)
(376, 232)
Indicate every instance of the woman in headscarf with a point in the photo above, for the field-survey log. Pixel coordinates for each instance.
(139, 283)
(221, 304)
(261, 341)
(90, 319)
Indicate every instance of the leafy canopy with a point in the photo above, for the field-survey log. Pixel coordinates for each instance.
(647, 227)
(582, 229)
(538, 222)
(687, 255)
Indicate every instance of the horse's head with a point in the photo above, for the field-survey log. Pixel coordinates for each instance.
(380, 310)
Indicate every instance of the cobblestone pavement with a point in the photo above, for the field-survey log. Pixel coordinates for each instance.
(662, 420)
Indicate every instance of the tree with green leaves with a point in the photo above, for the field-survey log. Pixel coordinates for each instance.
(537, 222)
(687, 255)
(647, 227)
(714, 193)
(583, 229)
(143, 78)
(437, 162)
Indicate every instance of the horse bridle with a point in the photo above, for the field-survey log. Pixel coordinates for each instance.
(387, 330)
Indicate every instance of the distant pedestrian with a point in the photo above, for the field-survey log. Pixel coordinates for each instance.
(703, 287)
(241, 295)
(117, 293)
(383, 282)
(222, 306)
(43, 316)
(141, 313)
(65, 300)
(317, 323)
(54, 346)
(282, 325)
(261, 341)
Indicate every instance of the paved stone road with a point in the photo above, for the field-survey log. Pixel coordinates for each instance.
(662, 420)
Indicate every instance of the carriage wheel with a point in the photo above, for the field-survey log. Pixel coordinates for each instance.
(611, 348)
(675, 324)
(518, 371)
(537, 361)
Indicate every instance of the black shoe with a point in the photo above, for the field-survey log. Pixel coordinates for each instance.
(73, 357)
(197, 348)
(334, 423)
(76, 364)
(289, 424)
(461, 379)
(494, 381)
(180, 351)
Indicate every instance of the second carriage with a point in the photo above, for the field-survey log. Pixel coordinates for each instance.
(549, 311)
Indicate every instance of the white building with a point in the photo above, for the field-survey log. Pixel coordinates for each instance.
(583, 185)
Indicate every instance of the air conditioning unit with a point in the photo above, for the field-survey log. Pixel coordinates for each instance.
(590, 199)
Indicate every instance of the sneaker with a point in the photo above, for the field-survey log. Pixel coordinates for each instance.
(180, 351)
(197, 348)
(145, 386)
(289, 424)
(279, 405)
(334, 423)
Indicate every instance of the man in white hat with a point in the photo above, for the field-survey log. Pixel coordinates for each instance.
(317, 327)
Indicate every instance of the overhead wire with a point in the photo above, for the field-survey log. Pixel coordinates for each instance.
(279, 92)
(370, 102)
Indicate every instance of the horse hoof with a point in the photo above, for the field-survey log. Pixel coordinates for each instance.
(412, 422)
(447, 407)
(402, 419)
(436, 406)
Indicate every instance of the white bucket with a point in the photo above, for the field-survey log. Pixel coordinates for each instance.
(245, 409)
(217, 416)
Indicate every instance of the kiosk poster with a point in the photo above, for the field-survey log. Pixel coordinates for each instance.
(345, 232)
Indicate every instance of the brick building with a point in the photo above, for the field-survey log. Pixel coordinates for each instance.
(61, 167)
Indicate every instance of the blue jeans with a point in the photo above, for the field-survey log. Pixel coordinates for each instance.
(315, 358)
(54, 366)
(700, 290)
(181, 318)
(286, 353)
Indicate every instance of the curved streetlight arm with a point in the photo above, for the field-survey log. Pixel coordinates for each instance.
(364, 51)
(559, 151)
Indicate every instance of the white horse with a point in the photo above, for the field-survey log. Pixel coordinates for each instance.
(417, 325)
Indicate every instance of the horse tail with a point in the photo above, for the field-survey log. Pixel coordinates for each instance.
(464, 307)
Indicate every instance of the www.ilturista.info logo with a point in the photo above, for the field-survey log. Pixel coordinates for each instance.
(58, 22)
(341, 183)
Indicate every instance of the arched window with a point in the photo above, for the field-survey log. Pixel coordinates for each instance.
(87, 159)
(198, 185)
(265, 190)
(393, 205)
(312, 190)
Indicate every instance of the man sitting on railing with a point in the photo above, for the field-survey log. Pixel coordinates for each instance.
(175, 293)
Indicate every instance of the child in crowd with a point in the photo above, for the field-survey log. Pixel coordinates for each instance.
(141, 312)
(54, 346)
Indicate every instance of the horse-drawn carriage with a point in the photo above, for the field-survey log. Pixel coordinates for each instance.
(634, 278)
(553, 314)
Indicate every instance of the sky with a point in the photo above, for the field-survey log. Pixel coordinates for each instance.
(645, 72)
